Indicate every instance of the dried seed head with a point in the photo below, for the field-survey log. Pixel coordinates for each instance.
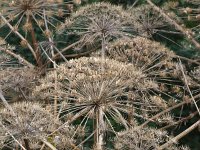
(143, 139)
(152, 58)
(31, 122)
(95, 21)
(34, 10)
(80, 70)
(83, 82)
(147, 20)
(140, 138)
(196, 73)
(17, 79)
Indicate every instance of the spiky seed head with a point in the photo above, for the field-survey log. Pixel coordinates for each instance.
(16, 79)
(196, 73)
(90, 69)
(147, 20)
(140, 138)
(154, 59)
(32, 122)
(33, 11)
(92, 22)
(119, 88)
(143, 139)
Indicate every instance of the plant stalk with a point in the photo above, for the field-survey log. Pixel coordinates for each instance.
(99, 134)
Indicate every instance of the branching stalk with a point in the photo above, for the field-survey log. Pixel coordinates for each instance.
(186, 32)
(181, 135)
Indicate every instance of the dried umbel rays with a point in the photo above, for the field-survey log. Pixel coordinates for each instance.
(17, 82)
(30, 124)
(195, 75)
(193, 12)
(143, 139)
(152, 58)
(4, 58)
(115, 95)
(37, 11)
(100, 22)
(28, 17)
(148, 21)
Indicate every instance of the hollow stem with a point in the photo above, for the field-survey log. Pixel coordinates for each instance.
(98, 138)
(35, 43)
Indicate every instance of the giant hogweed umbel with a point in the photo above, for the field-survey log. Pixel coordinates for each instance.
(144, 139)
(153, 59)
(27, 17)
(100, 23)
(30, 123)
(116, 95)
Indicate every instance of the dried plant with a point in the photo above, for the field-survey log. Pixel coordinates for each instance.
(195, 86)
(193, 14)
(17, 82)
(196, 73)
(118, 94)
(143, 139)
(30, 124)
(153, 59)
(28, 11)
(24, 16)
(185, 31)
(135, 80)
(149, 22)
(100, 22)
(4, 58)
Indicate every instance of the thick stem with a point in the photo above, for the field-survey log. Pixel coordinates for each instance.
(181, 135)
(103, 48)
(18, 34)
(35, 43)
(19, 57)
(103, 52)
(99, 125)
(26, 142)
(180, 121)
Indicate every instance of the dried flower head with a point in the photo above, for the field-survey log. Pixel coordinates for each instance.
(148, 20)
(152, 58)
(25, 11)
(32, 123)
(117, 94)
(100, 21)
(140, 138)
(193, 14)
(143, 139)
(17, 80)
(5, 59)
(196, 73)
